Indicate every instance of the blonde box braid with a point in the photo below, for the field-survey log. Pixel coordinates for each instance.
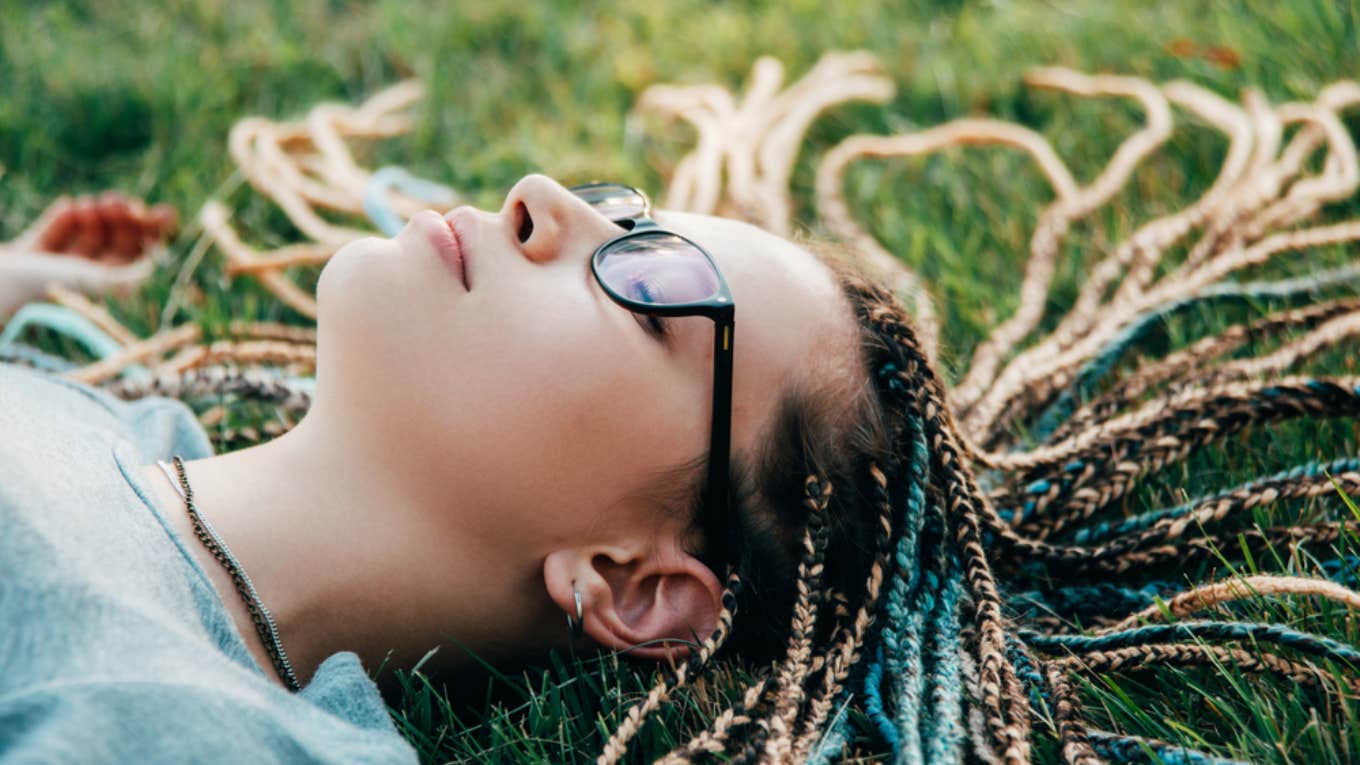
(945, 657)
(1243, 196)
(1227, 255)
(847, 653)
(796, 665)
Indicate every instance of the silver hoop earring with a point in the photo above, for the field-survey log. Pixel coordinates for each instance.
(576, 626)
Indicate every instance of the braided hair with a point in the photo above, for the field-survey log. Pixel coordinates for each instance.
(883, 555)
(887, 553)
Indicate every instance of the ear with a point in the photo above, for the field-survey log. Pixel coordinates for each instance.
(649, 601)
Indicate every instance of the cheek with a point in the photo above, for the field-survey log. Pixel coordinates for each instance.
(377, 310)
(551, 426)
(542, 386)
(534, 408)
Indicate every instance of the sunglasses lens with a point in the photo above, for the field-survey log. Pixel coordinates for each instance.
(657, 269)
(612, 200)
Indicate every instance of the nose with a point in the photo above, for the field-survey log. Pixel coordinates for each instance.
(549, 221)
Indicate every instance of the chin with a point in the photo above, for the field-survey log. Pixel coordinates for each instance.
(347, 270)
(379, 311)
(356, 295)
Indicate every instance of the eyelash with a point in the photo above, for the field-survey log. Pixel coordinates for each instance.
(656, 325)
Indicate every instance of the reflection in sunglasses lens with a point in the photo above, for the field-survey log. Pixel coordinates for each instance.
(615, 202)
(657, 269)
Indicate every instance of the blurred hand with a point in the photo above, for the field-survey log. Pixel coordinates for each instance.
(110, 228)
(90, 244)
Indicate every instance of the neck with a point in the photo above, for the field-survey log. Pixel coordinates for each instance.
(346, 561)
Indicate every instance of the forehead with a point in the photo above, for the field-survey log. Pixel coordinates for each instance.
(790, 316)
(761, 268)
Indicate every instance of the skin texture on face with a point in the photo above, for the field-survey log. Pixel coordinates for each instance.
(528, 412)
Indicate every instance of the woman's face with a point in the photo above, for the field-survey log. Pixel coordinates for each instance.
(526, 401)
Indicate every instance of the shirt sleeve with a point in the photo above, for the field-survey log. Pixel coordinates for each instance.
(122, 721)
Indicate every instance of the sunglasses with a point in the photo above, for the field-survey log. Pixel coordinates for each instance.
(654, 272)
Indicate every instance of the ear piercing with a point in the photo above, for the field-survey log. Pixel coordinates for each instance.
(576, 626)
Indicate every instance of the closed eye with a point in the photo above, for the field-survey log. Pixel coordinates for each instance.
(656, 324)
(652, 324)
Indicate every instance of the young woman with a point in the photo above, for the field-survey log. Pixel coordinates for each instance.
(500, 448)
(578, 419)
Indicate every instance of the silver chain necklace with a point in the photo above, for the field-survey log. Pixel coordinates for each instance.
(259, 615)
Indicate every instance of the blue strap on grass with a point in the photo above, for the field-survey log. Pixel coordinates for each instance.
(378, 205)
(61, 320)
(68, 323)
(19, 353)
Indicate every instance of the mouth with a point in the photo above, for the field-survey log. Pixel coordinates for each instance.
(444, 238)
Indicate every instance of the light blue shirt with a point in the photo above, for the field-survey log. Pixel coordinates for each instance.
(114, 645)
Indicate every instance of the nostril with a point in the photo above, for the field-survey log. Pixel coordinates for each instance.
(524, 223)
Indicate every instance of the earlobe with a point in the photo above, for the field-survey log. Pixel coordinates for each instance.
(562, 578)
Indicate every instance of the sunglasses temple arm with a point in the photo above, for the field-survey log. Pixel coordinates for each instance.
(721, 445)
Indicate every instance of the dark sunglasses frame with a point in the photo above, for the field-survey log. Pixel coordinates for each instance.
(719, 307)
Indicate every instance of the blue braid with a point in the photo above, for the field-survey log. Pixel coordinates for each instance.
(909, 697)
(1198, 630)
(1043, 485)
(1132, 749)
(1029, 675)
(920, 640)
(913, 701)
(1345, 570)
(944, 731)
(1104, 361)
(901, 647)
(1082, 602)
(835, 738)
(1314, 469)
(1085, 601)
(873, 700)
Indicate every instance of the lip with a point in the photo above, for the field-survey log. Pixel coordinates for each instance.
(442, 236)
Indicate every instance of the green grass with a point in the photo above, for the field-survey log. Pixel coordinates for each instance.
(140, 97)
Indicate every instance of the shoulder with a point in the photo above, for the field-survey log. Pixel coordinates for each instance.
(130, 720)
(47, 417)
(27, 394)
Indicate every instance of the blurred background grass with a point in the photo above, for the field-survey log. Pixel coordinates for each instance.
(140, 97)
